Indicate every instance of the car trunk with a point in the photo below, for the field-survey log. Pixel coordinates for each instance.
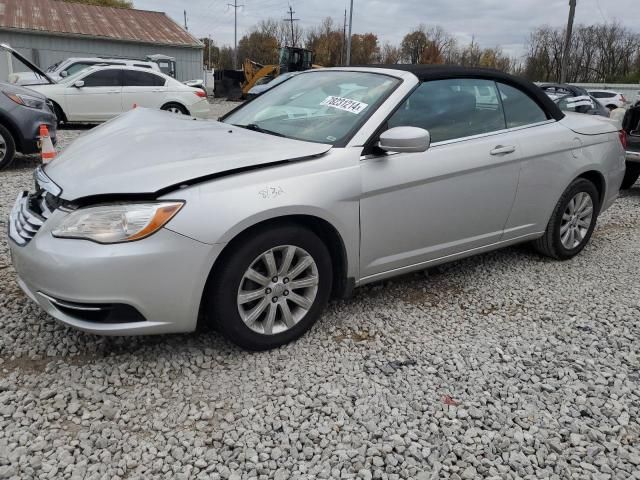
(588, 124)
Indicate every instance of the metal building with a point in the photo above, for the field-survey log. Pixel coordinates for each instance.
(48, 31)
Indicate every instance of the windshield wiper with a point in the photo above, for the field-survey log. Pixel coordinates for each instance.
(257, 128)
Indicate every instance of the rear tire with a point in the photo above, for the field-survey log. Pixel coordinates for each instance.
(288, 302)
(175, 108)
(7, 148)
(630, 176)
(572, 221)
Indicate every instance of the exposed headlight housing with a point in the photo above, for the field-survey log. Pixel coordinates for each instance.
(117, 223)
(26, 100)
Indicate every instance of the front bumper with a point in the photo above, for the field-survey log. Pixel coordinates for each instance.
(162, 278)
(30, 128)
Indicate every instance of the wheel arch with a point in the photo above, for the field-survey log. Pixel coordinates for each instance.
(58, 106)
(597, 178)
(7, 123)
(342, 285)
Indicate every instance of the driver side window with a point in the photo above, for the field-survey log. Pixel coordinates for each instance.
(451, 109)
(103, 78)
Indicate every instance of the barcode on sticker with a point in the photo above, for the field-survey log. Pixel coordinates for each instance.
(345, 104)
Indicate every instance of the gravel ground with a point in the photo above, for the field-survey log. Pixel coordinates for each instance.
(506, 365)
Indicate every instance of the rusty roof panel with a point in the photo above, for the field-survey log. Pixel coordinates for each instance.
(55, 16)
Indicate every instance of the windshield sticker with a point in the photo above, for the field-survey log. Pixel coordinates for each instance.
(352, 106)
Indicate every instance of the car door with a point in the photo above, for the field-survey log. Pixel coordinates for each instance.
(144, 89)
(456, 196)
(98, 100)
(548, 150)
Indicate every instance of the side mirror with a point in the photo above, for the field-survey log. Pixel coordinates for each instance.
(64, 73)
(405, 140)
(79, 84)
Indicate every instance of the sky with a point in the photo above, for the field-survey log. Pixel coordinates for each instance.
(504, 23)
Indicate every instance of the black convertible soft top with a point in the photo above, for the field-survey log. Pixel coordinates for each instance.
(442, 72)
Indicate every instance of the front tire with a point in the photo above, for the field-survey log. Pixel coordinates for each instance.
(7, 148)
(271, 288)
(631, 175)
(572, 222)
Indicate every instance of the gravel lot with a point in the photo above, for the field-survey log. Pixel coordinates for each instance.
(506, 365)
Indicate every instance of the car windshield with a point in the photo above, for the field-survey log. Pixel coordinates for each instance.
(322, 107)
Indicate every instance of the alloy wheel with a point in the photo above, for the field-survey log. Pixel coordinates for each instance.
(278, 290)
(576, 220)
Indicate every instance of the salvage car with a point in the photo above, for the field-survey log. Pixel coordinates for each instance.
(570, 98)
(335, 179)
(97, 94)
(22, 112)
(631, 127)
(73, 65)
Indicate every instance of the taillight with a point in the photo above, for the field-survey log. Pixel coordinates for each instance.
(200, 93)
(623, 138)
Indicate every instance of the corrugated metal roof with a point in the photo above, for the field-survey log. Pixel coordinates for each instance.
(65, 18)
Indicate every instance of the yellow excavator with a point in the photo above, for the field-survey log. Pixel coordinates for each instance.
(292, 59)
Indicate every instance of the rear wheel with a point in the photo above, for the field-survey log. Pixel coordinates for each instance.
(572, 221)
(7, 148)
(631, 175)
(175, 108)
(271, 288)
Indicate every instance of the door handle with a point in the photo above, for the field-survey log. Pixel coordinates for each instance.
(503, 150)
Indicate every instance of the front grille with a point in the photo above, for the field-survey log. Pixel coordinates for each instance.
(28, 215)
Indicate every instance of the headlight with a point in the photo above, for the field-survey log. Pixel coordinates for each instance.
(26, 100)
(117, 223)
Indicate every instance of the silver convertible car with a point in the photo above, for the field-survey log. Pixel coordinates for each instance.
(156, 223)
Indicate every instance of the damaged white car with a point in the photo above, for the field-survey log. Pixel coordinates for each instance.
(157, 223)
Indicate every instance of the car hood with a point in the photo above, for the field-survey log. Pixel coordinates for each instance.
(147, 151)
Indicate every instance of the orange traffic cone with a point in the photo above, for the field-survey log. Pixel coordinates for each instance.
(48, 150)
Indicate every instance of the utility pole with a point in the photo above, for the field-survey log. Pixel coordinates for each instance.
(209, 64)
(349, 39)
(344, 37)
(235, 32)
(186, 27)
(291, 20)
(567, 42)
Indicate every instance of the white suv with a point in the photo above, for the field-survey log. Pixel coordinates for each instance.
(609, 99)
(71, 66)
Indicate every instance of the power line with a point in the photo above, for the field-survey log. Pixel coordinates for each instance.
(235, 7)
(291, 20)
